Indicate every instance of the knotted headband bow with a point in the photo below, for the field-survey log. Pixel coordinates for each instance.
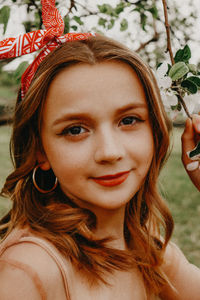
(47, 40)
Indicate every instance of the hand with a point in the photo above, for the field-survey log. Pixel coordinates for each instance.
(190, 138)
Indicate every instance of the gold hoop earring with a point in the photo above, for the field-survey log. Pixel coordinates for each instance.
(41, 190)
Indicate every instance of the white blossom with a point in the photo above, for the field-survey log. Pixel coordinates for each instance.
(193, 103)
(164, 82)
(169, 96)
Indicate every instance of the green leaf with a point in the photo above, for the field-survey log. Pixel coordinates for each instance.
(78, 20)
(158, 65)
(183, 54)
(192, 68)
(195, 151)
(178, 70)
(112, 23)
(119, 8)
(102, 22)
(4, 17)
(154, 11)
(74, 27)
(27, 26)
(195, 79)
(178, 56)
(37, 20)
(186, 53)
(106, 9)
(20, 70)
(67, 24)
(179, 107)
(143, 20)
(190, 86)
(123, 25)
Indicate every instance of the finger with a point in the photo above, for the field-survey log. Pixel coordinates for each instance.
(188, 142)
(196, 123)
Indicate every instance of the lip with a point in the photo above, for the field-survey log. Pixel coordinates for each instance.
(112, 180)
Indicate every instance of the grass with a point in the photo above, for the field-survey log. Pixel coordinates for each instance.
(181, 195)
(183, 200)
(8, 93)
(5, 164)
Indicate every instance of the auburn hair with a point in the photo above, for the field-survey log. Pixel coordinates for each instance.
(57, 218)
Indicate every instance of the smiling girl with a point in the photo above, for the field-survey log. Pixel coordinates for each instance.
(89, 139)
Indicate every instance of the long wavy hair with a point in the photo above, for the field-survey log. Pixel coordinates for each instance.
(54, 216)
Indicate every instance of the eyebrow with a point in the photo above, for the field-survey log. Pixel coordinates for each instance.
(72, 117)
(131, 106)
(84, 116)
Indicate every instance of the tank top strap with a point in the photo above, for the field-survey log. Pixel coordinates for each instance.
(30, 272)
(54, 255)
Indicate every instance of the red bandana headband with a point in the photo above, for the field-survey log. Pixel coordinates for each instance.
(47, 40)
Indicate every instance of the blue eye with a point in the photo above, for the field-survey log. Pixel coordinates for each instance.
(130, 120)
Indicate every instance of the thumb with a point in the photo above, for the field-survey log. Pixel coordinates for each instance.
(188, 142)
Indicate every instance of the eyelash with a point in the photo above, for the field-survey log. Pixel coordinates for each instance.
(133, 118)
(66, 131)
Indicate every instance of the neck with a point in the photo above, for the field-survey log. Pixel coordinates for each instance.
(110, 223)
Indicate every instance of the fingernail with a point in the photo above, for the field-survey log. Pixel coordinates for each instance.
(192, 166)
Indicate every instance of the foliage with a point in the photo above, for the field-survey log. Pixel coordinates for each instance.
(4, 16)
(183, 200)
(143, 29)
(180, 80)
(7, 78)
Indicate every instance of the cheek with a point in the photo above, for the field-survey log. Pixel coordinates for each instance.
(68, 160)
(142, 149)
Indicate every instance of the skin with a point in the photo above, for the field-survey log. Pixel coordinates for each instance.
(99, 126)
(105, 141)
(107, 146)
(190, 137)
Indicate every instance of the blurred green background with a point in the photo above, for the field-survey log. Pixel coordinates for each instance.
(181, 195)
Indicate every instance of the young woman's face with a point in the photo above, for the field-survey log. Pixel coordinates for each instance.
(96, 134)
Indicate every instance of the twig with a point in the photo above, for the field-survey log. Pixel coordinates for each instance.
(143, 45)
(169, 49)
(84, 7)
(167, 26)
(72, 5)
(180, 98)
(153, 39)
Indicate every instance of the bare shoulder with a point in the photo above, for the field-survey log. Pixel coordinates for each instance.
(31, 265)
(179, 272)
(16, 284)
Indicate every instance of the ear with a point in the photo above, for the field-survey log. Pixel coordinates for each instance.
(43, 161)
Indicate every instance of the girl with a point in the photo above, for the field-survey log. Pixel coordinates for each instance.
(90, 137)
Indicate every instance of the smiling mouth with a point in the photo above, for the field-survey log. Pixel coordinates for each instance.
(112, 180)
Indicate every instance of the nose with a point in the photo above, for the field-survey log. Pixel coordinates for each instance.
(109, 147)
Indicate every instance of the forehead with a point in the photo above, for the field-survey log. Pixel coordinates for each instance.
(106, 68)
(110, 83)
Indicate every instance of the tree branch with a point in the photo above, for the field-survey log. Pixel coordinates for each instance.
(153, 39)
(180, 98)
(167, 26)
(84, 7)
(169, 49)
(143, 45)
